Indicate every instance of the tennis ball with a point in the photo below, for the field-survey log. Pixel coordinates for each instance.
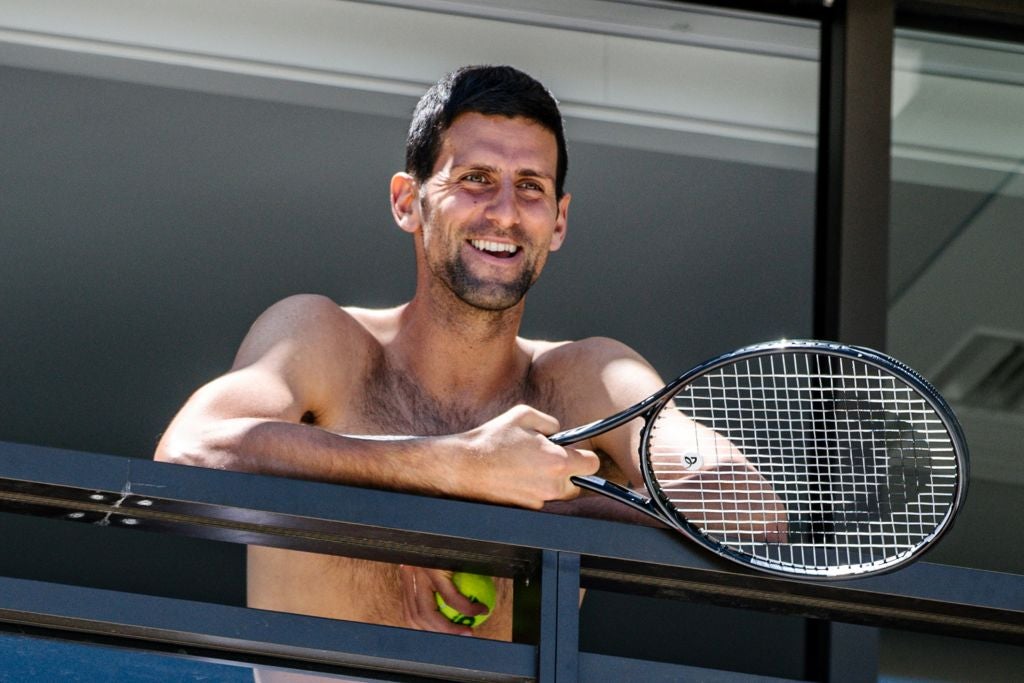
(475, 587)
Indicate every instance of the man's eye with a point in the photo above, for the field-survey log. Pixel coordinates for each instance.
(475, 177)
(532, 186)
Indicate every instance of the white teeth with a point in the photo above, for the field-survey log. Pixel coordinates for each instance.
(487, 245)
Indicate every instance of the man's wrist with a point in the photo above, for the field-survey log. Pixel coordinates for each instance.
(456, 455)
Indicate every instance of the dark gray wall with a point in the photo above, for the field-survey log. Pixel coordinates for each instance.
(144, 228)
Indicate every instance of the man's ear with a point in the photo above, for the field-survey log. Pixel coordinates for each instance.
(561, 223)
(405, 205)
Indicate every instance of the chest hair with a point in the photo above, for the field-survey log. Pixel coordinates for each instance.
(396, 404)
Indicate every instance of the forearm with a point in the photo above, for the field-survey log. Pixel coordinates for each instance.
(600, 507)
(506, 460)
(430, 465)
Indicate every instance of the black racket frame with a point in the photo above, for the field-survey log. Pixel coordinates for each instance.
(657, 505)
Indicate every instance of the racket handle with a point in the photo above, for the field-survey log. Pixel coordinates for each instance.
(619, 493)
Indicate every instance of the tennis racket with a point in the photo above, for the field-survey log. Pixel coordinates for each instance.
(802, 458)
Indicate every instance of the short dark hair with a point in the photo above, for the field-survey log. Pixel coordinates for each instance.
(491, 90)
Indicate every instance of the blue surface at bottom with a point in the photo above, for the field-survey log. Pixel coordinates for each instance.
(27, 658)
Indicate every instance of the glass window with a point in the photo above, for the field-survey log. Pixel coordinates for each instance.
(956, 297)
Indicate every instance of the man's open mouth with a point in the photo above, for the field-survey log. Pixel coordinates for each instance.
(498, 249)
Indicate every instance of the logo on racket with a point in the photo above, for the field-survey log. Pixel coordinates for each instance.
(692, 460)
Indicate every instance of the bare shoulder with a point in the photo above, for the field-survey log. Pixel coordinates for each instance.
(595, 375)
(320, 351)
(305, 324)
(584, 355)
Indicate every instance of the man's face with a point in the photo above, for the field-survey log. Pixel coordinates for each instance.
(488, 213)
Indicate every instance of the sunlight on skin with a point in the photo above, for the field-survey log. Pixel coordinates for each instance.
(712, 485)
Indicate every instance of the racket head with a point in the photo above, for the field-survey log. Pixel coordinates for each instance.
(852, 463)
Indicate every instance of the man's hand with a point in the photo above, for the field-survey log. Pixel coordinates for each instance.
(419, 606)
(513, 461)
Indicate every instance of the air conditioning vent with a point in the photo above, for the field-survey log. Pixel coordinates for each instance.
(987, 373)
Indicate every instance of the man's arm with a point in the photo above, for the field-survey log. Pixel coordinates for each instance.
(251, 419)
(599, 377)
(609, 377)
(619, 378)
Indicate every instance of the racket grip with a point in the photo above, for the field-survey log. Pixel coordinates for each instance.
(619, 493)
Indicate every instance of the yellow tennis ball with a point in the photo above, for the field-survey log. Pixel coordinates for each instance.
(475, 587)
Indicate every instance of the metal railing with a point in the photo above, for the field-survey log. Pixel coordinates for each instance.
(548, 556)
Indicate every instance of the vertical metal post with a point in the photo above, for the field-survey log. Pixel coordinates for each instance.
(840, 653)
(851, 270)
(547, 612)
(547, 645)
(817, 650)
(527, 599)
(852, 234)
(568, 646)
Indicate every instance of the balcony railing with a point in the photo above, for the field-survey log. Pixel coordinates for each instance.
(548, 556)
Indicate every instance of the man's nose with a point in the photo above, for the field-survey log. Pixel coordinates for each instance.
(503, 209)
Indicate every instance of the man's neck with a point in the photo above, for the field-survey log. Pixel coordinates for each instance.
(459, 353)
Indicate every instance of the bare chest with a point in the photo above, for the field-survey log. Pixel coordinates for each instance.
(392, 403)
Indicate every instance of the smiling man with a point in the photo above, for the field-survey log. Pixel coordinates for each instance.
(482, 199)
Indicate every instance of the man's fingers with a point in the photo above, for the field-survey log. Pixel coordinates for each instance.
(519, 464)
(459, 602)
(419, 604)
(430, 619)
(441, 582)
(534, 420)
(580, 462)
(583, 461)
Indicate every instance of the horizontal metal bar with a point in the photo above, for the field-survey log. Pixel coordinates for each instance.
(250, 509)
(926, 597)
(256, 635)
(245, 508)
(601, 668)
(986, 19)
(390, 526)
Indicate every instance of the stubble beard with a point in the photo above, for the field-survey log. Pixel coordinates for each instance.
(483, 294)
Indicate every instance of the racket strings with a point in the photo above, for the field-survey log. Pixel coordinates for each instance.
(805, 460)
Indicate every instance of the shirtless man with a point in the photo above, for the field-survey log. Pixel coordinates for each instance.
(482, 199)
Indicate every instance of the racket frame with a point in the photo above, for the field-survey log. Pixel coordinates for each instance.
(657, 506)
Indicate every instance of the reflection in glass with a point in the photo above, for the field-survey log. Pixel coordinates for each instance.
(956, 282)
